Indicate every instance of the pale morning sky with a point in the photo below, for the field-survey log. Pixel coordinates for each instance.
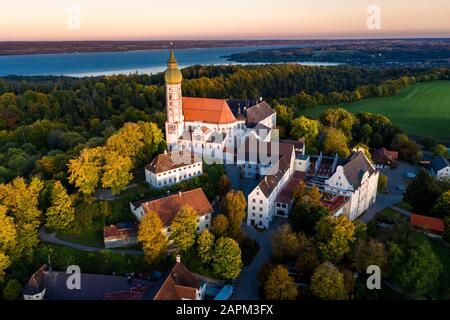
(214, 19)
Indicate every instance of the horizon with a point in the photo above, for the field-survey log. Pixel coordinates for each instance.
(198, 20)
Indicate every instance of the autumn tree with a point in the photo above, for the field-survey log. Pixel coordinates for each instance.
(85, 171)
(307, 258)
(154, 241)
(303, 127)
(183, 228)
(338, 118)
(407, 149)
(442, 206)
(61, 212)
(205, 246)
(224, 186)
(226, 258)
(285, 243)
(116, 172)
(440, 150)
(382, 182)
(328, 283)
(307, 210)
(334, 236)
(366, 253)
(280, 285)
(332, 141)
(234, 208)
(5, 262)
(21, 201)
(220, 226)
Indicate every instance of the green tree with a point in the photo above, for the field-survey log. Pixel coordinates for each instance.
(279, 285)
(234, 208)
(423, 192)
(334, 237)
(440, 150)
(183, 228)
(303, 127)
(226, 258)
(307, 211)
(414, 266)
(382, 182)
(328, 283)
(442, 206)
(205, 246)
(220, 226)
(154, 241)
(12, 290)
(407, 149)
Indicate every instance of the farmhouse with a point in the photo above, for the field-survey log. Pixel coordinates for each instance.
(171, 168)
(46, 284)
(440, 168)
(384, 159)
(168, 207)
(120, 235)
(181, 284)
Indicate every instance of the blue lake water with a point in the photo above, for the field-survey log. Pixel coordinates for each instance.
(107, 63)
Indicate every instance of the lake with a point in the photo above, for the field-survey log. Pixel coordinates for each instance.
(107, 63)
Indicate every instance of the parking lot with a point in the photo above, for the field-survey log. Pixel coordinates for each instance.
(396, 177)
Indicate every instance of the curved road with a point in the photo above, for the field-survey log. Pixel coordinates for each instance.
(51, 238)
(247, 285)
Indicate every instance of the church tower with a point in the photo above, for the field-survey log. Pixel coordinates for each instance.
(175, 118)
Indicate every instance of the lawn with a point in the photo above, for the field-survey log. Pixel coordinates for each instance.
(422, 109)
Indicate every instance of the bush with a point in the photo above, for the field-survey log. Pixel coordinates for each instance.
(12, 290)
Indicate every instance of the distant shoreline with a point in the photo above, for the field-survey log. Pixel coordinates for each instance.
(54, 47)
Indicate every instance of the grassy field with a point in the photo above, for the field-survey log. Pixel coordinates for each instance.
(421, 109)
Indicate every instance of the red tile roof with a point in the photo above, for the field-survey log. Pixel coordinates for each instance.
(169, 161)
(168, 207)
(118, 231)
(286, 195)
(207, 110)
(427, 223)
(179, 284)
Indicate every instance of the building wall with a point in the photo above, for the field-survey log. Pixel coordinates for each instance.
(443, 174)
(174, 176)
(361, 198)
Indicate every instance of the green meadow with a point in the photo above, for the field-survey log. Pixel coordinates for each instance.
(421, 110)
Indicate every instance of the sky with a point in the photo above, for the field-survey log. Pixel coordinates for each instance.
(220, 19)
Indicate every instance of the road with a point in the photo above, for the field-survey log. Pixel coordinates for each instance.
(51, 238)
(395, 178)
(247, 285)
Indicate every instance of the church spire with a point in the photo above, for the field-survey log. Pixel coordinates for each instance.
(173, 74)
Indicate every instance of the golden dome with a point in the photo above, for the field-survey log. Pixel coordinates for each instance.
(173, 74)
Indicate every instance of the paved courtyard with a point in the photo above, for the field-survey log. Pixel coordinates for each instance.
(396, 177)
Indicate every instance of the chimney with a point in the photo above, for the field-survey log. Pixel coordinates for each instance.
(178, 258)
(165, 151)
(179, 193)
(260, 99)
